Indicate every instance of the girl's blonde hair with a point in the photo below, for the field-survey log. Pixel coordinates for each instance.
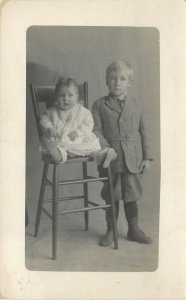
(62, 82)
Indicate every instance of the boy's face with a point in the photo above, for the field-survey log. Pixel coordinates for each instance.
(118, 82)
(67, 97)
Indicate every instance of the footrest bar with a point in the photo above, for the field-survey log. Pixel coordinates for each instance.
(48, 182)
(84, 209)
(64, 199)
(47, 213)
(93, 203)
(76, 181)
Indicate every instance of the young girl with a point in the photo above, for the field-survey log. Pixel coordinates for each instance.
(67, 126)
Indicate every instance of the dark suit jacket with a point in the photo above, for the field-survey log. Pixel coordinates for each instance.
(124, 130)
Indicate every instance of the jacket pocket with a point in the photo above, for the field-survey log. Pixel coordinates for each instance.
(138, 151)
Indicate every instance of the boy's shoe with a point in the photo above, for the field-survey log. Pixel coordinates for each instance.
(137, 235)
(107, 239)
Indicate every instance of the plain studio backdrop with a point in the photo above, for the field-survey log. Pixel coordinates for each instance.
(83, 53)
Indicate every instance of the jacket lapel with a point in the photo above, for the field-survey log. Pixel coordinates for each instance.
(125, 108)
(112, 104)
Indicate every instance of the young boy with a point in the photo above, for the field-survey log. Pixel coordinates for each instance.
(121, 127)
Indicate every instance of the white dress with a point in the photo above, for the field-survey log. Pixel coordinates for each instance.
(78, 119)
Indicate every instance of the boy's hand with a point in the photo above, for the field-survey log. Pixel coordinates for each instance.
(73, 135)
(111, 155)
(145, 166)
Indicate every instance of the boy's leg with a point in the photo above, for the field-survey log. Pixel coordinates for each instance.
(107, 239)
(132, 193)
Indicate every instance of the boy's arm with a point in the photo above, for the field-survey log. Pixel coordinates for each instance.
(98, 126)
(145, 133)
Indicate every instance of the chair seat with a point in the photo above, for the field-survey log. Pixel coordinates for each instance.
(47, 158)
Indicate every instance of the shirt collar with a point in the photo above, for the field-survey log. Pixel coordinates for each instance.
(118, 98)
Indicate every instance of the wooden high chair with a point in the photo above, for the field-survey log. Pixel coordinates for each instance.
(45, 94)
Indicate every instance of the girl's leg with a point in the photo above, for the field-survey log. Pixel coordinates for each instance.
(58, 154)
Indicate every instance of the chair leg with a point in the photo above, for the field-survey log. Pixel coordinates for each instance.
(41, 197)
(113, 210)
(54, 211)
(85, 189)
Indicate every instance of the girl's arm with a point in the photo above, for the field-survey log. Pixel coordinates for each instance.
(86, 125)
(47, 126)
(45, 122)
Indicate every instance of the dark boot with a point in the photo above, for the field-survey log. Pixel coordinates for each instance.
(107, 239)
(134, 232)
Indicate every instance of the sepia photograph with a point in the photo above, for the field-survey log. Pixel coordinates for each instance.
(92, 148)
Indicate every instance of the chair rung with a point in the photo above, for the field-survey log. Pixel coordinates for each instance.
(88, 179)
(48, 182)
(84, 209)
(93, 203)
(47, 213)
(64, 199)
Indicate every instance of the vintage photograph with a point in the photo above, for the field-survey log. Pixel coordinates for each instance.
(92, 149)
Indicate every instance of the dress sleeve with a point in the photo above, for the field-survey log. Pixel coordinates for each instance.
(46, 121)
(98, 125)
(87, 123)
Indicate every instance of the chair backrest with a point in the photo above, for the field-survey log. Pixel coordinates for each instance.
(44, 95)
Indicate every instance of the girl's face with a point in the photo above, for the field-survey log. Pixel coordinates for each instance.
(118, 82)
(67, 97)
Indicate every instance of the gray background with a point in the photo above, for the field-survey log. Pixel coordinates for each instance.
(84, 53)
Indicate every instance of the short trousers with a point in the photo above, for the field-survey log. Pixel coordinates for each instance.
(126, 186)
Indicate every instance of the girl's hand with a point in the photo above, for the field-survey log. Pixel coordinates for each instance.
(145, 166)
(52, 132)
(49, 132)
(73, 135)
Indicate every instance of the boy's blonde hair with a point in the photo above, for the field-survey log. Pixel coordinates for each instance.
(118, 65)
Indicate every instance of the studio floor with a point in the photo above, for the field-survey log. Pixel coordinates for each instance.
(78, 250)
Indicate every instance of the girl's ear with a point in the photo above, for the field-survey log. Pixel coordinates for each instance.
(129, 82)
